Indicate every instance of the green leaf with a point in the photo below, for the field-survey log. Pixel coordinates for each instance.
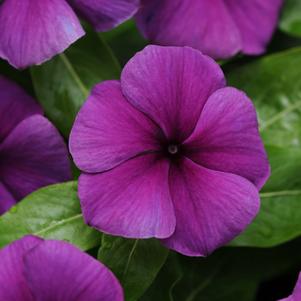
(135, 262)
(51, 212)
(290, 21)
(63, 83)
(274, 84)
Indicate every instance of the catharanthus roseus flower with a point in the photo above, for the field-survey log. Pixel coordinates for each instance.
(33, 31)
(32, 152)
(219, 28)
(169, 152)
(296, 296)
(33, 269)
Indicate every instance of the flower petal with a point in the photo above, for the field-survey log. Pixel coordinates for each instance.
(15, 105)
(33, 31)
(32, 156)
(171, 86)
(108, 130)
(211, 208)
(256, 20)
(13, 285)
(227, 137)
(105, 14)
(202, 24)
(56, 270)
(132, 200)
(296, 296)
(6, 199)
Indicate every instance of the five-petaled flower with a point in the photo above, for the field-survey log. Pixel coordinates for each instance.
(32, 152)
(33, 31)
(296, 295)
(34, 269)
(218, 28)
(169, 152)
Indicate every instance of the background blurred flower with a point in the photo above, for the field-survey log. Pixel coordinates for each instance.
(32, 152)
(296, 296)
(169, 152)
(35, 269)
(217, 28)
(33, 31)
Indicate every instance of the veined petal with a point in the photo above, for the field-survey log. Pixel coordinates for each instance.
(131, 200)
(105, 14)
(6, 199)
(109, 130)
(211, 208)
(227, 138)
(32, 156)
(33, 31)
(56, 270)
(171, 86)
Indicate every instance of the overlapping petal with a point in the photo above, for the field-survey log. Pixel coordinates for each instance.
(227, 139)
(33, 31)
(211, 208)
(109, 130)
(6, 199)
(206, 25)
(131, 200)
(15, 105)
(33, 155)
(56, 270)
(171, 86)
(105, 14)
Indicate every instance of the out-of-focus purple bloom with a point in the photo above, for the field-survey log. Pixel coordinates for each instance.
(296, 296)
(34, 269)
(219, 28)
(32, 152)
(33, 31)
(169, 152)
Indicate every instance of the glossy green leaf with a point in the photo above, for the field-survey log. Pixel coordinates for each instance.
(274, 84)
(291, 17)
(51, 212)
(63, 83)
(135, 262)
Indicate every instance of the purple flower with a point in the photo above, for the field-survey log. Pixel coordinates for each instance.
(32, 152)
(35, 269)
(296, 296)
(169, 152)
(217, 28)
(33, 31)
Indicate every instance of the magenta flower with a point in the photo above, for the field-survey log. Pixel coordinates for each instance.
(32, 152)
(33, 31)
(33, 269)
(217, 28)
(169, 152)
(296, 296)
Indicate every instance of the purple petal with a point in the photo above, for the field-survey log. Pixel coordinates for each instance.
(256, 20)
(15, 105)
(13, 286)
(296, 296)
(227, 139)
(6, 199)
(32, 156)
(56, 270)
(131, 200)
(211, 208)
(202, 24)
(171, 86)
(105, 14)
(108, 130)
(33, 31)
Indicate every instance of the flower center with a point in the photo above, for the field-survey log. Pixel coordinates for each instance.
(173, 149)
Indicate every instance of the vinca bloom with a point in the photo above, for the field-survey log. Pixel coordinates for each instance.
(169, 152)
(296, 296)
(33, 31)
(33, 269)
(219, 28)
(32, 152)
